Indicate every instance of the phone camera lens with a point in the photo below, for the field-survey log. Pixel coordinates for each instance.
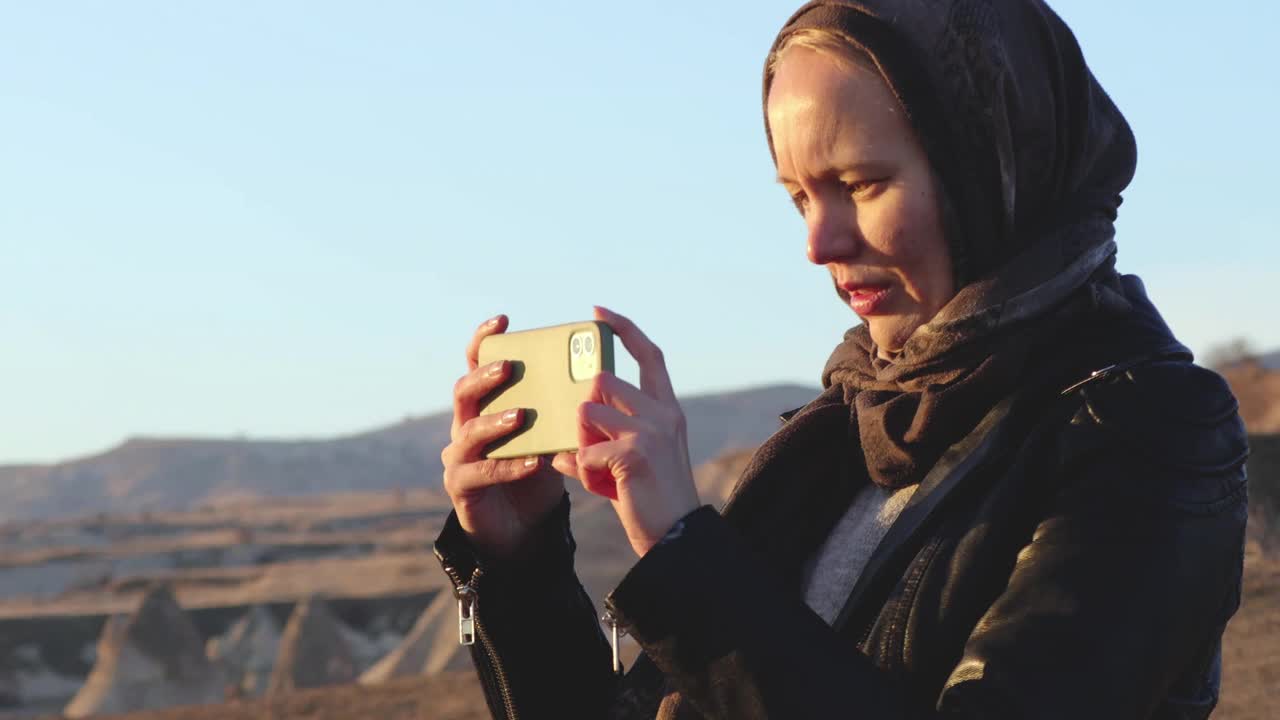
(576, 346)
(588, 344)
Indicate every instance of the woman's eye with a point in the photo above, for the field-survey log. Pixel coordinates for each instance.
(801, 200)
(859, 187)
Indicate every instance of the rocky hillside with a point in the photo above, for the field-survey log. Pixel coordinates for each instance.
(1255, 380)
(176, 474)
(1257, 387)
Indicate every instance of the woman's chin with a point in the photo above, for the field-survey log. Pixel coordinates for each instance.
(888, 337)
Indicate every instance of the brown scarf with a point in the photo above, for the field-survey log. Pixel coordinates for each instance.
(1031, 155)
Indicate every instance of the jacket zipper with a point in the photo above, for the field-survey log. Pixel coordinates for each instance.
(612, 621)
(616, 631)
(470, 628)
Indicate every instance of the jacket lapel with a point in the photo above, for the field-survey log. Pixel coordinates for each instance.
(797, 485)
(802, 480)
(900, 543)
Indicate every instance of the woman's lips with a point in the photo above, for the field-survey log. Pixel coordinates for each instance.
(865, 301)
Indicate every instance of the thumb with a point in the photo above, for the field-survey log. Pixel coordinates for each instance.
(566, 463)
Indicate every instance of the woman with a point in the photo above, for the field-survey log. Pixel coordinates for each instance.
(1015, 497)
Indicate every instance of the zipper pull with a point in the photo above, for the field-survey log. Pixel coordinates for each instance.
(466, 595)
(614, 633)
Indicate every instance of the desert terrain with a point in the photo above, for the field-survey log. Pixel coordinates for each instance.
(211, 579)
(184, 572)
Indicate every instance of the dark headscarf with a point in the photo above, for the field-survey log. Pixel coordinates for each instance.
(1031, 156)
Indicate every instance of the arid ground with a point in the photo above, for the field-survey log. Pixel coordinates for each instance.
(62, 581)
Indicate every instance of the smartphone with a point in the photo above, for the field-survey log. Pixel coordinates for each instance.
(551, 372)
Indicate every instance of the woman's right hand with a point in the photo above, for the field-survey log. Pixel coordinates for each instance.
(498, 501)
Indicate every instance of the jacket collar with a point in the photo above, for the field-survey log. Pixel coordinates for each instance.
(889, 560)
(891, 557)
(991, 436)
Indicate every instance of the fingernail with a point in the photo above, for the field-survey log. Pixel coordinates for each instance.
(495, 369)
(530, 462)
(491, 321)
(509, 416)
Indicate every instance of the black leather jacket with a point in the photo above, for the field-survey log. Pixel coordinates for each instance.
(1077, 556)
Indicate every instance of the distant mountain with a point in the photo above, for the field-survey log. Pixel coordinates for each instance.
(179, 473)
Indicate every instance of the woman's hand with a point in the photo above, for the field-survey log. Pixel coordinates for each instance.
(498, 501)
(633, 447)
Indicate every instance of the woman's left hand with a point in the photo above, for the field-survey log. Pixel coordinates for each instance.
(633, 447)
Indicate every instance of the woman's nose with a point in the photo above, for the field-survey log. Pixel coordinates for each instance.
(831, 237)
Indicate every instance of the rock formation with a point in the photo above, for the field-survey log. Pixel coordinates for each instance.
(27, 680)
(716, 478)
(313, 651)
(153, 658)
(248, 649)
(9, 692)
(367, 648)
(429, 648)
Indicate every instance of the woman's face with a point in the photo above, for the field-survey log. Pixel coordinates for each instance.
(858, 175)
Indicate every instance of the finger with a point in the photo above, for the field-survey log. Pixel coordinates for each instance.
(654, 380)
(475, 476)
(609, 421)
(588, 433)
(596, 479)
(601, 484)
(596, 463)
(492, 326)
(610, 389)
(565, 463)
(471, 388)
(478, 432)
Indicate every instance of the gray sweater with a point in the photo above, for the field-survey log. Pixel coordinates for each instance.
(831, 572)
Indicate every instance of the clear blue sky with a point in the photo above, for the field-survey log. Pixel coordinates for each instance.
(284, 219)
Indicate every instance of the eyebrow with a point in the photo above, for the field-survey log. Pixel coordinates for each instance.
(830, 171)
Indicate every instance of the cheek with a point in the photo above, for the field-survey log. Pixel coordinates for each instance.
(910, 236)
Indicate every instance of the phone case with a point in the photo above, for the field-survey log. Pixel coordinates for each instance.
(550, 378)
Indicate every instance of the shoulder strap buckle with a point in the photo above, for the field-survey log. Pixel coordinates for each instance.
(1100, 374)
(1121, 367)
